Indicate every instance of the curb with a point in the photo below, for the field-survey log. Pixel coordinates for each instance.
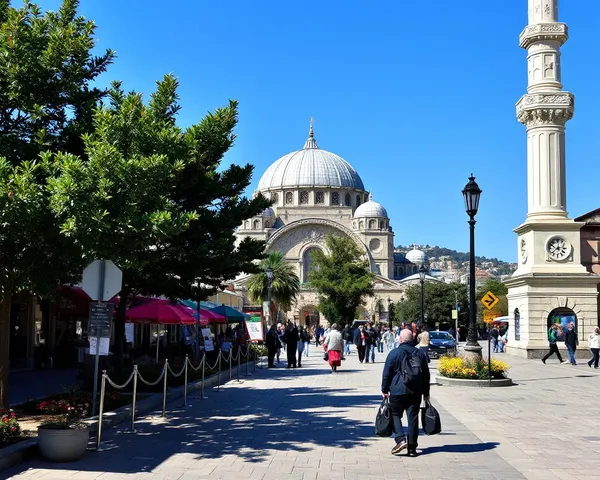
(463, 382)
(28, 449)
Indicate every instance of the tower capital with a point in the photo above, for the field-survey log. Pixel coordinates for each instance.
(540, 109)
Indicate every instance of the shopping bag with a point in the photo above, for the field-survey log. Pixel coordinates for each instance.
(384, 424)
(326, 356)
(430, 419)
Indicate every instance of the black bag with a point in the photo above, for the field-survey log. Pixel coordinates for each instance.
(384, 424)
(410, 368)
(326, 356)
(430, 420)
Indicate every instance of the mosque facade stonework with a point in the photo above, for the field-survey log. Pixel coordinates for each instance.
(317, 193)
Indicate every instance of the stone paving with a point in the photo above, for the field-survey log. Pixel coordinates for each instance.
(311, 424)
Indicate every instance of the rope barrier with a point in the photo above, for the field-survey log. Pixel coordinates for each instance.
(120, 387)
(177, 374)
(152, 384)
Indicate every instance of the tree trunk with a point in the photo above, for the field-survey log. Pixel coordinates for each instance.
(119, 325)
(5, 301)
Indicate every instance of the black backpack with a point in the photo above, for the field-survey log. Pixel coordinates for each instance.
(411, 370)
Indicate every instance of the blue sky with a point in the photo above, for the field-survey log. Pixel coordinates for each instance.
(421, 91)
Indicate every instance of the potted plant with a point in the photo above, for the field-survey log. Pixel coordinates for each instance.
(63, 437)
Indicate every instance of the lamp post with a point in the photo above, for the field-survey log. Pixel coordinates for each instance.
(270, 276)
(422, 273)
(402, 309)
(471, 194)
(390, 304)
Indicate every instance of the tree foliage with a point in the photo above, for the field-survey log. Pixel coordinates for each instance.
(285, 285)
(439, 301)
(342, 278)
(500, 290)
(46, 100)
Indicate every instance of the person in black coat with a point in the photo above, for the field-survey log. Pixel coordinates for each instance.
(291, 337)
(272, 343)
(403, 397)
(571, 342)
(360, 340)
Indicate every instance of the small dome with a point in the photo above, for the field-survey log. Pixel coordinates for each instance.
(370, 209)
(310, 167)
(268, 212)
(416, 256)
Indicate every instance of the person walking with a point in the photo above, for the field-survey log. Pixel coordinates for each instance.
(388, 340)
(494, 334)
(334, 345)
(291, 337)
(423, 343)
(347, 336)
(594, 344)
(379, 338)
(404, 381)
(271, 343)
(552, 338)
(371, 343)
(360, 340)
(302, 344)
(571, 342)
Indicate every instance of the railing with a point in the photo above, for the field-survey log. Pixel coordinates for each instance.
(135, 376)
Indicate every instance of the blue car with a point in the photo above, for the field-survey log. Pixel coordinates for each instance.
(441, 343)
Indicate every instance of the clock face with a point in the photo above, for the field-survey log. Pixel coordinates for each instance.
(558, 248)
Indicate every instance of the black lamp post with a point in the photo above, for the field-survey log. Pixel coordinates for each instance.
(471, 194)
(422, 273)
(402, 309)
(270, 276)
(390, 305)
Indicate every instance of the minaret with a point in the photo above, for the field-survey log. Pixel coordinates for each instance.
(550, 280)
(544, 110)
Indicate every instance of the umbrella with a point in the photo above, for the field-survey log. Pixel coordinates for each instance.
(232, 315)
(162, 312)
(207, 317)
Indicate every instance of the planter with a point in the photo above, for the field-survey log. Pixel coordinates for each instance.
(468, 382)
(63, 444)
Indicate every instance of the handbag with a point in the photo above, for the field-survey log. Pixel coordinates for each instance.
(384, 423)
(430, 419)
(326, 356)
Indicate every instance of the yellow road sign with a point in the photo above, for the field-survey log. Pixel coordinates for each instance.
(489, 300)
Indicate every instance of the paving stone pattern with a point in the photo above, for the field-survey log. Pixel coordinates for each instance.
(310, 424)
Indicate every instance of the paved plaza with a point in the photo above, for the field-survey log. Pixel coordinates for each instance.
(310, 424)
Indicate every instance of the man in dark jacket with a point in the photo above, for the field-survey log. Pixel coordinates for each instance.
(403, 397)
(571, 342)
(360, 340)
(291, 337)
(347, 335)
(371, 343)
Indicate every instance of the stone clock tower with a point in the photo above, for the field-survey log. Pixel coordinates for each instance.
(550, 284)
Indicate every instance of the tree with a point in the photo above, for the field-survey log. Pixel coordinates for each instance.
(342, 278)
(46, 101)
(439, 301)
(285, 286)
(149, 197)
(500, 290)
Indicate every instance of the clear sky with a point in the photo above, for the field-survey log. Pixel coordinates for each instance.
(415, 95)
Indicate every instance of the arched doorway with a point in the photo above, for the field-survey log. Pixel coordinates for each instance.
(562, 316)
(309, 316)
(306, 260)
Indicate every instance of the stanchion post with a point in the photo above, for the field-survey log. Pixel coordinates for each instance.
(230, 352)
(133, 400)
(101, 411)
(202, 397)
(247, 359)
(185, 381)
(164, 405)
(239, 363)
(219, 373)
(254, 360)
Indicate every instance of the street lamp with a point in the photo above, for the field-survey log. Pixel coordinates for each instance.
(471, 194)
(422, 273)
(402, 309)
(390, 305)
(270, 276)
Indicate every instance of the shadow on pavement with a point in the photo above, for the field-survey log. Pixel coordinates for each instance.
(461, 448)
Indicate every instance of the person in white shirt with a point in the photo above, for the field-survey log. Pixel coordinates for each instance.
(594, 344)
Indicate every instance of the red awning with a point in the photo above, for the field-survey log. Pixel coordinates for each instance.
(163, 312)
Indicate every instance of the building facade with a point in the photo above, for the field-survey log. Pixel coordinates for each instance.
(317, 193)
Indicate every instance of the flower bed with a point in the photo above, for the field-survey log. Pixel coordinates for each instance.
(10, 430)
(458, 367)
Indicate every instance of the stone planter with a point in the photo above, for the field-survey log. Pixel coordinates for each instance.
(466, 382)
(63, 444)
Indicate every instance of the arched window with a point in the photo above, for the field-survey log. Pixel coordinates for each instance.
(381, 224)
(303, 197)
(275, 198)
(256, 225)
(306, 260)
(320, 197)
(361, 225)
(357, 200)
(247, 225)
(562, 317)
(372, 223)
(289, 198)
(335, 198)
(517, 324)
(347, 200)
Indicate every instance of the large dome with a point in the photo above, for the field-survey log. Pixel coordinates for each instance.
(310, 167)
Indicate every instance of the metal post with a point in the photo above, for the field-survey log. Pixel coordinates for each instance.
(185, 381)
(219, 372)
(247, 359)
(202, 397)
(197, 356)
(230, 352)
(102, 391)
(97, 357)
(472, 343)
(422, 302)
(164, 406)
(133, 400)
(254, 361)
(239, 363)
(456, 320)
(490, 359)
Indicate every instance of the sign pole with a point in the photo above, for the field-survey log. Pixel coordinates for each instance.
(101, 275)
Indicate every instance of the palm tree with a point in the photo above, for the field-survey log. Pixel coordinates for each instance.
(285, 286)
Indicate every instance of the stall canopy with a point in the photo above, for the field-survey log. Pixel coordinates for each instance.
(207, 317)
(163, 312)
(231, 314)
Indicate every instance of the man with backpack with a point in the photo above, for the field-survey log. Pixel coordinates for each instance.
(405, 379)
(553, 337)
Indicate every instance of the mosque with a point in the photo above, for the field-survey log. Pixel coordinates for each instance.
(317, 193)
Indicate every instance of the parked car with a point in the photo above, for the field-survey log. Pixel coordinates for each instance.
(441, 343)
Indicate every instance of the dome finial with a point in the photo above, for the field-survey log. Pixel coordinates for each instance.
(311, 142)
(370, 197)
(311, 133)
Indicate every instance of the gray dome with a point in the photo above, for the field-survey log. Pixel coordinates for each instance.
(370, 209)
(416, 256)
(268, 212)
(310, 167)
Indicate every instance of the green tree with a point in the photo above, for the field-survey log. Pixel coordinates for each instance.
(285, 286)
(134, 199)
(342, 278)
(46, 100)
(439, 301)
